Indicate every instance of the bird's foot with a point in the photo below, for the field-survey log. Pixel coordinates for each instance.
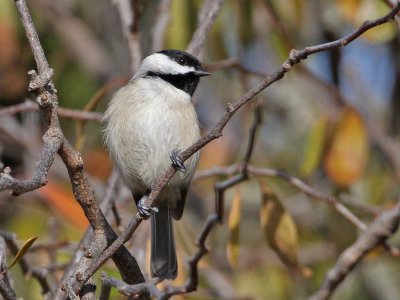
(145, 210)
(177, 162)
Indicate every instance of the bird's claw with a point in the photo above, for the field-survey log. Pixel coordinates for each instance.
(145, 210)
(177, 162)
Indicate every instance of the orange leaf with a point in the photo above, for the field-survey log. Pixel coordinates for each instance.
(348, 153)
(63, 201)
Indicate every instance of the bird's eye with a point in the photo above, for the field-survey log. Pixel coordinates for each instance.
(181, 60)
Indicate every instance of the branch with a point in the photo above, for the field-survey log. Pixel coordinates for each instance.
(303, 187)
(75, 114)
(161, 24)
(39, 274)
(388, 146)
(6, 289)
(129, 13)
(47, 98)
(80, 271)
(127, 290)
(294, 58)
(377, 234)
(206, 18)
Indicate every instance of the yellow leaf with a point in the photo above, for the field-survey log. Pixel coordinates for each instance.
(232, 248)
(348, 153)
(314, 146)
(280, 230)
(349, 8)
(21, 252)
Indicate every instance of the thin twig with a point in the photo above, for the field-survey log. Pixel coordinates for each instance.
(161, 24)
(74, 114)
(389, 146)
(6, 289)
(377, 234)
(40, 274)
(297, 183)
(133, 291)
(294, 58)
(207, 15)
(129, 12)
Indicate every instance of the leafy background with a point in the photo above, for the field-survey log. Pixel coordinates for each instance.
(275, 243)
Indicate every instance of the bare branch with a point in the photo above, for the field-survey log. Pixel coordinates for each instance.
(103, 234)
(6, 289)
(129, 14)
(52, 140)
(75, 114)
(95, 264)
(294, 58)
(377, 234)
(193, 280)
(206, 18)
(161, 24)
(126, 289)
(47, 98)
(39, 274)
(234, 170)
(71, 30)
(389, 146)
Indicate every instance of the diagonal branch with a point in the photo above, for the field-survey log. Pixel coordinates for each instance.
(207, 15)
(40, 274)
(54, 139)
(294, 58)
(377, 234)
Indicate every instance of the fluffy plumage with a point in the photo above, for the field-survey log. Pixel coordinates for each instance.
(147, 120)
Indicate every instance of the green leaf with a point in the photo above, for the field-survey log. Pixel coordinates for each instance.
(314, 146)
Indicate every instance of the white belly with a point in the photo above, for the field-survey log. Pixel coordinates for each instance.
(142, 132)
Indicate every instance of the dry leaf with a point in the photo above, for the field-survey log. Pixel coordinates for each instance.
(232, 248)
(280, 230)
(21, 252)
(348, 153)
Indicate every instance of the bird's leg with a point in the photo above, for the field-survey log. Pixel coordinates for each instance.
(144, 209)
(177, 162)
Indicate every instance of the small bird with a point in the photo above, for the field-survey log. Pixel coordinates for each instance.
(148, 122)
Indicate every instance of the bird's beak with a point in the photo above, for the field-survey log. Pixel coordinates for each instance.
(201, 73)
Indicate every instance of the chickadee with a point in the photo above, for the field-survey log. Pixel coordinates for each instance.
(149, 121)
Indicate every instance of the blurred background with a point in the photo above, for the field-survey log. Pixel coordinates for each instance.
(333, 122)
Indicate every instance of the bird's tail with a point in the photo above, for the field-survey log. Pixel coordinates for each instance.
(163, 264)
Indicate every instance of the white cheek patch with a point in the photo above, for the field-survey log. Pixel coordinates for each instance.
(160, 63)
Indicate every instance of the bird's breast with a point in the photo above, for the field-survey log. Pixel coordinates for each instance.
(144, 127)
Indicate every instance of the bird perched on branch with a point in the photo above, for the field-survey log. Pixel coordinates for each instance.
(149, 121)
